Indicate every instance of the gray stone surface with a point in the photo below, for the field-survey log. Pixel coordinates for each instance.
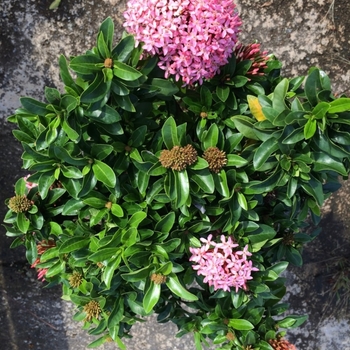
(301, 33)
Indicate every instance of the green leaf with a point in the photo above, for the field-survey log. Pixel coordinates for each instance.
(22, 222)
(166, 223)
(245, 126)
(64, 72)
(108, 272)
(313, 86)
(236, 160)
(125, 72)
(54, 4)
(221, 185)
(74, 243)
(103, 254)
(182, 187)
(34, 106)
(324, 162)
(124, 48)
(96, 91)
(117, 313)
(222, 92)
(279, 95)
(86, 64)
(177, 288)
(169, 133)
(138, 275)
(44, 183)
(204, 179)
(151, 297)
(107, 30)
(310, 128)
(104, 173)
(164, 86)
(340, 105)
(264, 151)
(56, 269)
(212, 136)
(240, 324)
(206, 97)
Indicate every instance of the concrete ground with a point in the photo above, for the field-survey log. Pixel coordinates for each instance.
(301, 33)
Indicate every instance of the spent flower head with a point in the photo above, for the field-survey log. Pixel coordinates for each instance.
(20, 204)
(92, 310)
(75, 279)
(178, 158)
(221, 264)
(192, 38)
(216, 159)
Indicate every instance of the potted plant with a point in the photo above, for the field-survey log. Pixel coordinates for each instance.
(177, 174)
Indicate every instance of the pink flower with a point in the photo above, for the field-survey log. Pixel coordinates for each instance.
(29, 185)
(221, 265)
(41, 271)
(252, 52)
(192, 38)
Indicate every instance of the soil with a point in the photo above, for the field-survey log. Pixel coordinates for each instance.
(300, 33)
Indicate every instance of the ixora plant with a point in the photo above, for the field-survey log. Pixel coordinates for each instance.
(176, 175)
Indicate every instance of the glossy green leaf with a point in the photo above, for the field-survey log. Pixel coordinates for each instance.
(124, 48)
(22, 222)
(109, 270)
(107, 30)
(34, 106)
(73, 244)
(310, 128)
(182, 187)
(240, 324)
(340, 105)
(56, 269)
(151, 297)
(178, 289)
(96, 91)
(212, 137)
(86, 64)
(104, 173)
(169, 133)
(313, 86)
(264, 151)
(125, 72)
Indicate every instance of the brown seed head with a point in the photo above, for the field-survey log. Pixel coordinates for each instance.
(75, 279)
(158, 278)
(20, 204)
(230, 336)
(216, 159)
(92, 310)
(288, 239)
(203, 115)
(108, 63)
(178, 158)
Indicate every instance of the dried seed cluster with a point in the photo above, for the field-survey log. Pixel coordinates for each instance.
(158, 278)
(20, 204)
(75, 279)
(178, 158)
(216, 159)
(92, 310)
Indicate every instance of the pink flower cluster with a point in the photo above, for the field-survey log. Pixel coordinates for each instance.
(192, 38)
(252, 52)
(222, 265)
(29, 185)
